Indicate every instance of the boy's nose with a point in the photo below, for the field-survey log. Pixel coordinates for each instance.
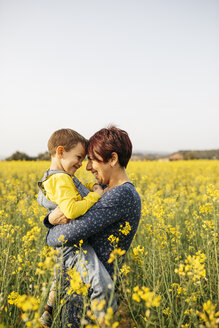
(78, 165)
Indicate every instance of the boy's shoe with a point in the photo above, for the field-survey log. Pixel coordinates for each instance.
(46, 319)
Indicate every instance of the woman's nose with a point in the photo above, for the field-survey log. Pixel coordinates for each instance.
(89, 166)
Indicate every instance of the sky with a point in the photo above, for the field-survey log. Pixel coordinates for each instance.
(149, 67)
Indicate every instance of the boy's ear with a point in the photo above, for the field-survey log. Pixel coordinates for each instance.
(59, 151)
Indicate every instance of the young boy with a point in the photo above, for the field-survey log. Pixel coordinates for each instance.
(58, 188)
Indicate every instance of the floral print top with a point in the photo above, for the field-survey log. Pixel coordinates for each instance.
(116, 214)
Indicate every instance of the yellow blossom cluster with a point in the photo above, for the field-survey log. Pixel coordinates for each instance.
(113, 240)
(62, 239)
(47, 260)
(149, 297)
(194, 267)
(209, 315)
(116, 253)
(76, 283)
(125, 229)
(26, 304)
(125, 269)
(103, 321)
(139, 254)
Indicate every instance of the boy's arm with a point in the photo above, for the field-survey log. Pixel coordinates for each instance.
(61, 190)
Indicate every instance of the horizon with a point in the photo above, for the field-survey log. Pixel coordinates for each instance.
(135, 152)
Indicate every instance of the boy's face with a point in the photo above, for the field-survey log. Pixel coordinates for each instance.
(72, 160)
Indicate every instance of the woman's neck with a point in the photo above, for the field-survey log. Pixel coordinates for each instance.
(118, 178)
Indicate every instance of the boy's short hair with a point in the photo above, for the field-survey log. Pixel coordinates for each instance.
(67, 138)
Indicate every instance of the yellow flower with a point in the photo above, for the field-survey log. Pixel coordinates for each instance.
(13, 297)
(24, 302)
(138, 250)
(125, 269)
(97, 305)
(115, 253)
(167, 311)
(61, 239)
(76, 284)
(209, 316)
(126, 229)
(138, 254)
(108, 316)
(113, 239)
(193, 267)
(144, 293)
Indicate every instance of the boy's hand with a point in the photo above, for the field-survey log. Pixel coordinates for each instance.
(97, 188)
(57, 217)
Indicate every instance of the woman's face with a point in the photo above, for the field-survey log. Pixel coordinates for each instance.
(101, 170)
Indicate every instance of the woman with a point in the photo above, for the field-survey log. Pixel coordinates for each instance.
(108, 154)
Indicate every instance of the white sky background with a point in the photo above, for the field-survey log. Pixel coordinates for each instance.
(150, 67)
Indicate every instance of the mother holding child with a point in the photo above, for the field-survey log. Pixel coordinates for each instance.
(91, 212)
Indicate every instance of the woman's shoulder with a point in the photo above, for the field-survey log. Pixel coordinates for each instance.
(126, 187)
(126, 193)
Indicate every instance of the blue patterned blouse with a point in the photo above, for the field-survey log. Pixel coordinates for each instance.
(114, 210)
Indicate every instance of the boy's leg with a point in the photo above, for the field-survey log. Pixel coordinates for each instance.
(52, 294)
(93, 272)
(47, 316)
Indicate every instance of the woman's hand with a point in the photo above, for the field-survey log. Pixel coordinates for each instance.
(97, 188)
(57, 217)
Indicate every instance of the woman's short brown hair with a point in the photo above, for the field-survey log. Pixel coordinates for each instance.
(67, 138)
(109, 140)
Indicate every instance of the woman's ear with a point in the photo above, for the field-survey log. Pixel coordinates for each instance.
(114, 159)
(60, 151)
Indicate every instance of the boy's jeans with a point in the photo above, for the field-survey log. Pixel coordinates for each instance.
(92, 272)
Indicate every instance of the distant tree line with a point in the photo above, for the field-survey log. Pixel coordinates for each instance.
(19, 156)
(196, 154)
(180, 155)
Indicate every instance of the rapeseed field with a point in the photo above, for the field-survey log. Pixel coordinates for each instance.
(170, 277)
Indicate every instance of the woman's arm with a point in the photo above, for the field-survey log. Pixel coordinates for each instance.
(109, 209)
(55, 217)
